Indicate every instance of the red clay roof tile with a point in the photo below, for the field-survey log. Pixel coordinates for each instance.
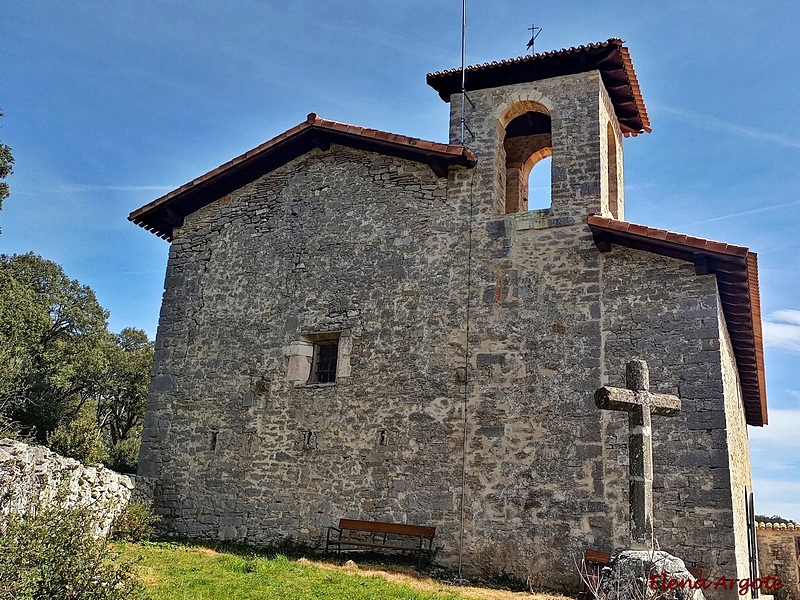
(611, 58)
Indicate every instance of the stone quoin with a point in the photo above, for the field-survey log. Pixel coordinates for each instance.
(361, 324)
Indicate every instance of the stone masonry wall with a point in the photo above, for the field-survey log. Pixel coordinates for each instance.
(552, 320)
(28, 473)
(534, 340)
(341, 240)
(779, 556)
(741, 479)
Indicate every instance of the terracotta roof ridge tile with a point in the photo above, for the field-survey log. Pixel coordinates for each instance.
(791, 526)
(614, 41)
(314, 120)
(623, 85)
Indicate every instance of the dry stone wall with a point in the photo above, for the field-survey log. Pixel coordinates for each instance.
(30, 473)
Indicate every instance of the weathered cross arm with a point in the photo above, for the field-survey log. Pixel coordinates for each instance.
(613, 398)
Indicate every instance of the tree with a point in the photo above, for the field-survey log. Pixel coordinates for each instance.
(6, 162)
(52, 332)
(772, 519)
(22, 322)
(80, 439)
(123, 395)
(64, 379)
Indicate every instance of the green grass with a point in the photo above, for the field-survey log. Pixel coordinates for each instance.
(173, 572)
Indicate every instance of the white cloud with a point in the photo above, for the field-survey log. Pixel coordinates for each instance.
(776, 464)
(745, 212)
(781, 436)
(715, 124)
(777, 497)
(782, 330)
(787, 316)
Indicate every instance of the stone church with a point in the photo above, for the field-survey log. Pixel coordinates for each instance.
(361, 324)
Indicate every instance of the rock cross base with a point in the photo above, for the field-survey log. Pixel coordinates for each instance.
(640, 404)
(647, 575)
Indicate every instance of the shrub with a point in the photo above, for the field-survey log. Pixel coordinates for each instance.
(79, 439)
(123, 456)
(134, 523)
(50, 552)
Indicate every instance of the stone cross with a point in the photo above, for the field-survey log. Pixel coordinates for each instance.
(640, 404)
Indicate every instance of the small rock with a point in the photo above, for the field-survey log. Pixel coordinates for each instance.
(350, 566)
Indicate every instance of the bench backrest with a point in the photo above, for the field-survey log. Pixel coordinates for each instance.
(385, 527)
(597, 557)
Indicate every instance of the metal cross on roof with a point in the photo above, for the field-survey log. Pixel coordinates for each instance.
(640, 404)
(535, 31)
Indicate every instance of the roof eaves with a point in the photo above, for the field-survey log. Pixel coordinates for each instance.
(616, 70)
(736, 269)
(432, 153)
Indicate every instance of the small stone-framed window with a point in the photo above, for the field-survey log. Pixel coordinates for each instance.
(323, 366)
(318, 358)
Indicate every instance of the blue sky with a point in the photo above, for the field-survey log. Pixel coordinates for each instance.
(111, 104)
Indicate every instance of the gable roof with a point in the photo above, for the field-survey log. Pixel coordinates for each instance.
(736, 269)
(163, 214)
(611, 58)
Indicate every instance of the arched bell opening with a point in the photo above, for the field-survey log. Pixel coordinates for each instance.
(528, 141)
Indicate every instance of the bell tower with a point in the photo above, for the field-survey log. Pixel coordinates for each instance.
(574, 105)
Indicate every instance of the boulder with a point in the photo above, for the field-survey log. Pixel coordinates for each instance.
(648, 575)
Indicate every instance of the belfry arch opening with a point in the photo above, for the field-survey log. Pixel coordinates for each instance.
(613, 183)
(528, 141)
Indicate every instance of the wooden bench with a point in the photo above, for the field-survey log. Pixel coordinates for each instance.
(381, 535)
(595, 560)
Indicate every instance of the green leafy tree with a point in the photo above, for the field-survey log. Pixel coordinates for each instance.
(6, 168)
(22, 322)
(64, 379)
(123, 396)
(772, 519)
(52, 331)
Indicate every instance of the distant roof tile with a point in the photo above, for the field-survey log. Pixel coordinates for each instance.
(778, 526)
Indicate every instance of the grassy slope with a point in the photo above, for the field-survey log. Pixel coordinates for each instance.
(175, 572)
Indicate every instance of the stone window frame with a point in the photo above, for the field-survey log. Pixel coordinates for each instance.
(300, 354)
(320, 374)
